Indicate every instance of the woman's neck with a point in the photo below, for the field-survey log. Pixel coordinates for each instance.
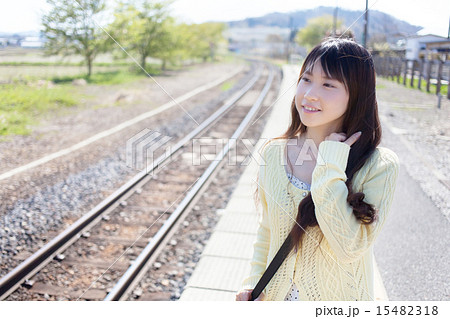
(318, 134)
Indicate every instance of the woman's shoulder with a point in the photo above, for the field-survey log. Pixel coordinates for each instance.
(383, 158)
(272, 146)
(385, 154)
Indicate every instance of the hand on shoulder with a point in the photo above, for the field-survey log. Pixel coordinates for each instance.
(342, 137)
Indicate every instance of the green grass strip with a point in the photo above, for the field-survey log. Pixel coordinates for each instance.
(423, 88)
(22, 105)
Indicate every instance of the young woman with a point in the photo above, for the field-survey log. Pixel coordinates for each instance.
(334, 194)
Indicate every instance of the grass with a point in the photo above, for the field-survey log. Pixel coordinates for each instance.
(110, 77)
(57, 73)
(21, 105)
(62, 64)
(227, 85)
(433, 87)
(227, 57)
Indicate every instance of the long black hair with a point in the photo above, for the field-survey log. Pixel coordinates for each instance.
(352, 65)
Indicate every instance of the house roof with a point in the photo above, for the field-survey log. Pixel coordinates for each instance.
(426, 35)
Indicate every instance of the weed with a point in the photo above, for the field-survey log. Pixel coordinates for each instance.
(21, 105)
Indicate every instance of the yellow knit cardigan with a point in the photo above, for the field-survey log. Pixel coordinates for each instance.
(335, 258)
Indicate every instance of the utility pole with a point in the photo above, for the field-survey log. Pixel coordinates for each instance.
(290, 39)
(335, 21)
(366, 22)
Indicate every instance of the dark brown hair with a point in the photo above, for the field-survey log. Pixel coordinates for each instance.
(352, 65)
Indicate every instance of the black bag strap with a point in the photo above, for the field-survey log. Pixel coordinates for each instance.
(272, 269)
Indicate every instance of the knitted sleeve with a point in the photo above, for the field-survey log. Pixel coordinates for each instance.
(261, 245)
(348, 237)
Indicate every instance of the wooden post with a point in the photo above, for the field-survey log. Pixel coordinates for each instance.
(448, 87)
(399, 69)
(388, 67)
(380, 65)
(439, 76)
(420, 73)
(391, 68)
(429, 74)
(413, 68)
(376, 62)
(405, 72)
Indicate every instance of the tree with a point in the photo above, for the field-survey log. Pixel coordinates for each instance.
(342, 33)
(274, 38)
(204, 39)
(378, 42)
(315, 31)
(70, 28)
(170, 43)
(145, 28)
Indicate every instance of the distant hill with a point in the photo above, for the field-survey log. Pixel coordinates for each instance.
(379, 22)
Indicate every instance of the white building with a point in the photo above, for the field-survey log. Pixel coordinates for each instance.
(415, 44)
(32, 42)
(268, 41)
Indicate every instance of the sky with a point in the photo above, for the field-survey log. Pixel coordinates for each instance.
(433, 15)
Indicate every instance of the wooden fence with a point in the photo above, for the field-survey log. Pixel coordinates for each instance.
(430, 71)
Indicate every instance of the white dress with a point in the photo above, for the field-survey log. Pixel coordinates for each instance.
(293, 294)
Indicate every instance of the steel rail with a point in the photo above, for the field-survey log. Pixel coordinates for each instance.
(29, 267)
(141, 264)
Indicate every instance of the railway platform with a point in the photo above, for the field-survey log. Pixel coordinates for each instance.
(225, 261)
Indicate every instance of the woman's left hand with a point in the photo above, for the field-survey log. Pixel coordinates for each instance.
(341, 137)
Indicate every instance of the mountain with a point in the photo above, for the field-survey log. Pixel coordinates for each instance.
(379, 22)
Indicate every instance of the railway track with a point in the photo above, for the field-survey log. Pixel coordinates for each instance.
(107, 252)
(39, 203)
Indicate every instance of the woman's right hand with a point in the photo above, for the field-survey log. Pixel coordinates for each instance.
(246, 295)
(342, 137)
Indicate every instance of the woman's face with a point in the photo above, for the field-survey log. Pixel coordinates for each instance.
(321, 101)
